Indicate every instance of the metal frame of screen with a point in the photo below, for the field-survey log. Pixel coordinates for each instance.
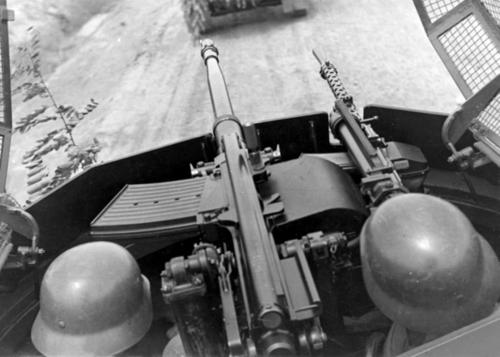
(5, 100)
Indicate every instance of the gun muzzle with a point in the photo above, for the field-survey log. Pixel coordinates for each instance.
(225, 122)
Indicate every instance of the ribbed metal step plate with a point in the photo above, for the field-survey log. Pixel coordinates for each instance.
(143, 210)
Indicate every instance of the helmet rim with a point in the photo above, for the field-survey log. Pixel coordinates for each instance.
(116, 339)
(439, 320)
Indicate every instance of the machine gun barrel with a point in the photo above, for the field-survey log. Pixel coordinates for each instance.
(350, 130)
(380, 176)
(225, 121)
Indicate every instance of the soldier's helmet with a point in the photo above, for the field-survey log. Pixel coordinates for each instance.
(93, 301)
(426, 267)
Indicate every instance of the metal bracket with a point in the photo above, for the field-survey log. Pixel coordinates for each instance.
(228, 309)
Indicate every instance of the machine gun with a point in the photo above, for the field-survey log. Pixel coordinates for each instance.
(380, 178)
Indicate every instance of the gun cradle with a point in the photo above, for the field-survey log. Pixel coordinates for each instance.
(271, 305)
(292, 199)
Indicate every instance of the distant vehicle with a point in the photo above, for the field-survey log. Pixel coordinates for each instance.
(203, 16)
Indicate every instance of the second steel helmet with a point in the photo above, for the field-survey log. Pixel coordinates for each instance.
(426, 267)
(93, 301)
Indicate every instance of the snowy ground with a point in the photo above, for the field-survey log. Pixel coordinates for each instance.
(138, 61)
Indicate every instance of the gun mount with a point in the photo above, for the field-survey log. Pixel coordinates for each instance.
(269, 239)
(270, 285)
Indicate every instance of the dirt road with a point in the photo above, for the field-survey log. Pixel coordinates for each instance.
(138, 61)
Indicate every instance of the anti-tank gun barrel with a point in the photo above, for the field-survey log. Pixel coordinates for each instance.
(264, 292)
(252, 236)
(266, 306)
(225, 121)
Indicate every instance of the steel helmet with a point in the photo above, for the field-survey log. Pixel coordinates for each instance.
(93, 301)
(426, 267)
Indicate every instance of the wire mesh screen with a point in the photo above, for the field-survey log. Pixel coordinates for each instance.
(466, 35)
(437, 8)
(493, 6)
(472, 51)
(490, 117)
